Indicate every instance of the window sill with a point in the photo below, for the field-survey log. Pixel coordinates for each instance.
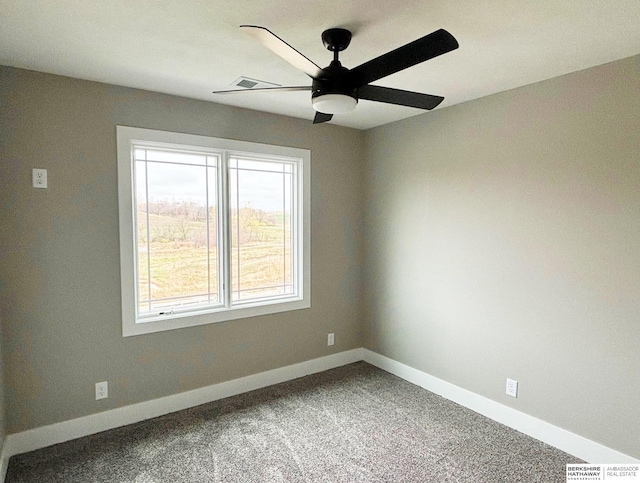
(150, 325)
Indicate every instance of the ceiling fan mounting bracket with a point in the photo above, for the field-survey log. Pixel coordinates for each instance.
(336, 39)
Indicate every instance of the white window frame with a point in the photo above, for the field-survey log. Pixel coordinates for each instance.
(127, 137)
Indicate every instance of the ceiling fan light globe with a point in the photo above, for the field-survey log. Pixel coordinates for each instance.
(334, 103)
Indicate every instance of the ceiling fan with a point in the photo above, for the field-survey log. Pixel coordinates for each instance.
(336, 89)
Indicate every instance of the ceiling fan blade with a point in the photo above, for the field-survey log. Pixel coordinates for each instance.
(322, 117)
(399, 97)
(283, 49)
(430, 46)
(267, 89)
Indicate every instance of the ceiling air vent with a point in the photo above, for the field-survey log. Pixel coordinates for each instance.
(248, 83)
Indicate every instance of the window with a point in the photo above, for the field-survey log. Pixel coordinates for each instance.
(210, 229)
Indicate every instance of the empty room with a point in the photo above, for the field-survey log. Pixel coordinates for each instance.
(412, 253)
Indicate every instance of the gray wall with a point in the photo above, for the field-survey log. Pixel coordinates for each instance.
(59, 276)
(3, 413)
(503, 240)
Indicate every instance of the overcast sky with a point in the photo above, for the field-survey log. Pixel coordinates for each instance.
(178, 183)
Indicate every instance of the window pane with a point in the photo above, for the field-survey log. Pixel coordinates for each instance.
(260, 202)
(174, 157)
(176, 262)
(261, 165)
(142, 236)
(212, 240)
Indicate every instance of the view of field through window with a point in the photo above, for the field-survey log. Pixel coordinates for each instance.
(179, 238)
(260, 207)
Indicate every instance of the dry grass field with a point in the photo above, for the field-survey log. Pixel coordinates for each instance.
(174, 261)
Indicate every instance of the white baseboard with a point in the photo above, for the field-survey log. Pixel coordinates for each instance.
(76, 428)
(562, 439)
(571, 443)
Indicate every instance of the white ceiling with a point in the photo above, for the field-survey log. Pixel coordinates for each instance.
(192, 47)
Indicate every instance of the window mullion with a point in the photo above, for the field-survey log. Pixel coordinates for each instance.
(208, 224)
(146, 201)
(238, 211)
(224, 225)
(284, 229)
(297, 212)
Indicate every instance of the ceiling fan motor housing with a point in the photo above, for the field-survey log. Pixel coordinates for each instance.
(333, 92)
(334, 81)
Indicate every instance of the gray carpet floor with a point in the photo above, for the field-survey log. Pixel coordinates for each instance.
(354, 423)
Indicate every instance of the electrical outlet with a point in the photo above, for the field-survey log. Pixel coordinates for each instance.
(102, 390)
(512, 387)
(39, 178)
(330, 339)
